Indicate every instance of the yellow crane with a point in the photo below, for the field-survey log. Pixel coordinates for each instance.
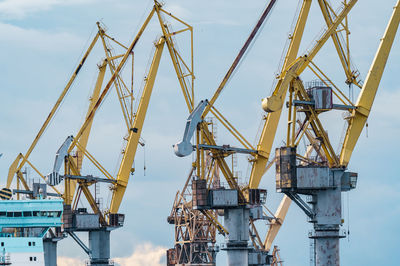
(289, 78)
(74, 149)
(300, 100)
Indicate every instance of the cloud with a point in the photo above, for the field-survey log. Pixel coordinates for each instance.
(64, 261)
(145, 254)
(21, 8)
(39, 40)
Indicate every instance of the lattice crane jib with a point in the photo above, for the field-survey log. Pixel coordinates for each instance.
(78, 186)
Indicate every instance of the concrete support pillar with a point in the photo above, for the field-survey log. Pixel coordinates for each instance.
(236, 221)
(99, 244)
(50, 252)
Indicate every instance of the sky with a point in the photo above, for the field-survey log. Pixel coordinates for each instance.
(41, 43)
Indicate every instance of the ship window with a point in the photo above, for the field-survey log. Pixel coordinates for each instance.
(9, 214)
(33, 243)
(34, 258)
(35, 213)
(43, 213)
(58, 214)
(2, 244)
(17, 214)
(27, 214)
(3, 213)
(29, 243)
(30, 258)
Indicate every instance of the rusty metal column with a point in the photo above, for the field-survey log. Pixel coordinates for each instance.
(327, 209)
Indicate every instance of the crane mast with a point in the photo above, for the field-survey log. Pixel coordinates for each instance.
(368, 92)
(321, 181)
(321, 178)
(72, 153)
(134, 132)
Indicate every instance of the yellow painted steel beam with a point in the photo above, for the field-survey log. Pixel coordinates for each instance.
(215, 222)
(274, 227)
(70, 168)
(23, 181)
(12, 170)
(325, 9)
(367, 95)
(223, 166)
(92, 202)
(257, 236)
(190, 69)
(111, 81)
(239, 56)
(127, 113)
(283, 208)
(53, 111)
(95, 162)
(42, 176)
(231, 128)
(134, 133)
(316, 125)
(325, 79)
(275, 102)
(83, 140)
(292, 71)
(178, 62)
(269, 130)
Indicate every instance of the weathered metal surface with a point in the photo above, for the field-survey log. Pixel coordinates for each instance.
(328, 208)
(223, 198)
(322, 97)
(67, 217)
(199, 197)
(327, 251)
(171, 257)
(285, 167)
(314, 177)
(236, 221)
(349, 181)
(256, 213)
(99, 244)
(258, 258)
(86, 221)
(257, 196)
(117, 219)
(194, 241)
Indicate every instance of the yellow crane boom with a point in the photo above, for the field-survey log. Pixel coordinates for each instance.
(268, 134)
(16, 166)
(358, 118)
(134, 133)
(366, 98)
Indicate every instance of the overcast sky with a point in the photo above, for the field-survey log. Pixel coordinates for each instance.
(41, 42)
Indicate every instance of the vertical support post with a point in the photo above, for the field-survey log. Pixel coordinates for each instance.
(50, 252)
(236, 221)
(99, 244)
(328, 215)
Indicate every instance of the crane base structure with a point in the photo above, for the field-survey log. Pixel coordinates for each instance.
(98, 235)
(238, 218)
(324, 187)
